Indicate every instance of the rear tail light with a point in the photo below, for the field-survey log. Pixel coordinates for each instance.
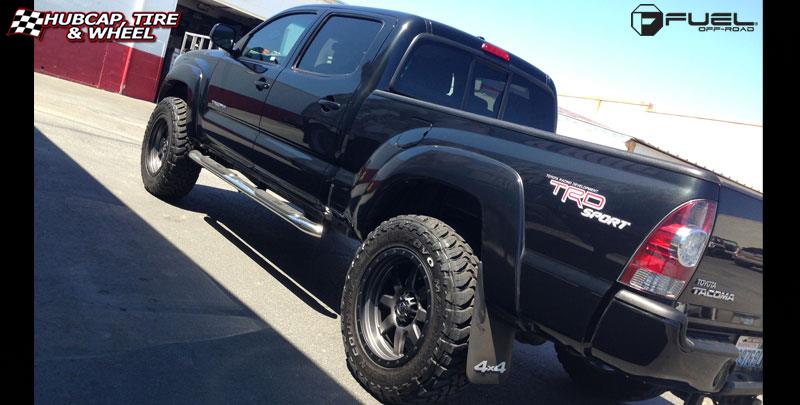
(666, 260)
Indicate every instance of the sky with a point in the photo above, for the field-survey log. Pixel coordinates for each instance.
(590, 49)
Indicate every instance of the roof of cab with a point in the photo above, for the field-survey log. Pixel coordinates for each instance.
(398, 14)
(440, 29)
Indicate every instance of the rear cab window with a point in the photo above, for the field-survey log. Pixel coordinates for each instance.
(486, 90)
(449, 76)
(529, 104)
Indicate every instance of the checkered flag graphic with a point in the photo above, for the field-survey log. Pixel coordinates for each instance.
(27, 22)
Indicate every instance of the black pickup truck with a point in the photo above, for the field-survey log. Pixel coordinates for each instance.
(479, 224)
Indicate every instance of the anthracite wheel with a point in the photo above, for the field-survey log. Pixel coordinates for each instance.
(393, 308)
(406, 310)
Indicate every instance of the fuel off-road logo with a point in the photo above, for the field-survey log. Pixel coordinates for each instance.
(589, 201)
(95, 26)
(647, 20)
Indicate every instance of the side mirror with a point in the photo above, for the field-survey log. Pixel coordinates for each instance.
(223, 36)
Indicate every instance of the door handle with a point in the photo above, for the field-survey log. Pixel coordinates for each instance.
(328, 104)
(261, 83)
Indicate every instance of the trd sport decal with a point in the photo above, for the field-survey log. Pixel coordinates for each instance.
(588, 199)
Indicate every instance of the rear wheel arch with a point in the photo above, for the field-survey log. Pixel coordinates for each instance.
(492, 185)
(454, 206)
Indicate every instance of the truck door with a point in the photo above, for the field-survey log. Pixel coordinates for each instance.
(239, 86)
(300, 123)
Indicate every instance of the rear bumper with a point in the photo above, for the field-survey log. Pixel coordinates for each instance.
(648, 339)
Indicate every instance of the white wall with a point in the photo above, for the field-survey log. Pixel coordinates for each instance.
(159, 47)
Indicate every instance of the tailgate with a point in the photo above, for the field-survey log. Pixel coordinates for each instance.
(726, 290)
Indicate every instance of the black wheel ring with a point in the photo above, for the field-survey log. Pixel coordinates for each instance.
(394, 306)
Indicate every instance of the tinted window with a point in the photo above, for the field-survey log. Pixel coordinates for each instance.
(486, 90)
(530, 105)
(340, 46)
(434, 73)
(275, 40)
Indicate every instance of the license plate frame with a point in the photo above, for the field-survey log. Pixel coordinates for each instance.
(751, 352)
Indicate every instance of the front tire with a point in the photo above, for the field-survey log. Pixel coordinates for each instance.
(167, 171)
(610, 384)
(406, 310)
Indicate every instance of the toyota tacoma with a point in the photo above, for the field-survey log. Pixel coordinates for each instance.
(479, 225)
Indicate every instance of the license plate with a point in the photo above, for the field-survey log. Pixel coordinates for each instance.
(751, 351)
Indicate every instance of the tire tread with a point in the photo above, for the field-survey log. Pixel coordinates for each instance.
(178, 173)
(448, 365)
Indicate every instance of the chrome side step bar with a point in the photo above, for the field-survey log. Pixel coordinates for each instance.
(272, 201)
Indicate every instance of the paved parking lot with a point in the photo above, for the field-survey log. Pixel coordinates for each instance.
(212, 300)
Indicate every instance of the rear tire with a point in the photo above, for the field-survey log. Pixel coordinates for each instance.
(441, 268)
(609, 384)
(167, 171)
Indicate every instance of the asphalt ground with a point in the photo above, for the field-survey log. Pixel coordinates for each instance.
(210, 300)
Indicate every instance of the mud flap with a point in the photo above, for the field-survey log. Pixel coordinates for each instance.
(490, 342)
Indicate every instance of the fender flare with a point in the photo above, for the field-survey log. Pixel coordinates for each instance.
(497, 187)
(192, 74)
(187, 74)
